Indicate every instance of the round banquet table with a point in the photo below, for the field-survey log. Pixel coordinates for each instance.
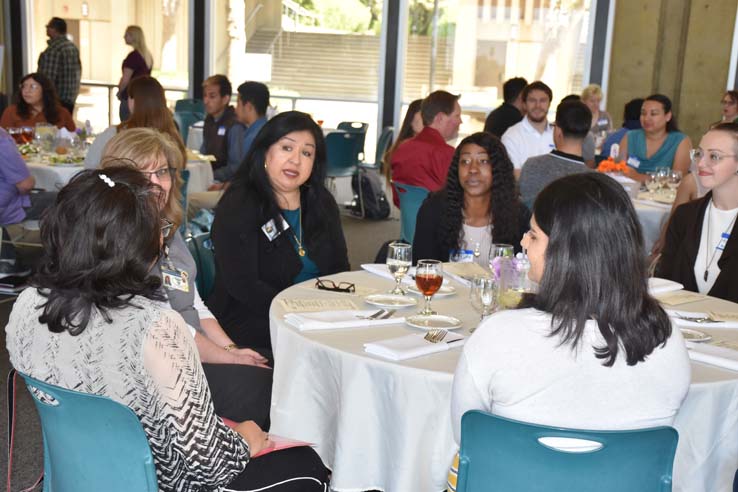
(386, 425)
(651, 215)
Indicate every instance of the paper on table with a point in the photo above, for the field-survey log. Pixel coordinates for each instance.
(662, 285)
(331, 320)
(679, 297)
(713, 355)
(728, 323)
(315, 305)
(465, 272)
(411, 346)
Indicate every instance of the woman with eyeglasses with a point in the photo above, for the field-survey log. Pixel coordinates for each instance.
(36, 102)
(729, 104)
(96, 321)
(148, 110)
(240, 381)
(658, 143)
(701, 246)
(276, 225)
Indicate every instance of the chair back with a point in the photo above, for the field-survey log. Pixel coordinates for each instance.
(502, 454)
(341, 154)
(185, 119)
(185, 175)
(411, 198)
(384, 141)
(190, 105)
(359, 128)
(201, 249)
(91, 442)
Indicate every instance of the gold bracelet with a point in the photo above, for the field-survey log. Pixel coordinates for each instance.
(230, 347)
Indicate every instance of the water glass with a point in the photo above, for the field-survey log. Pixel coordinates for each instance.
(652, 183)
(483, 296)
(428, 278)
(673, 180)
(399, 259)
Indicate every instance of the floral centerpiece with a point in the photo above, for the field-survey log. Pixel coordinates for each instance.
(610, 166)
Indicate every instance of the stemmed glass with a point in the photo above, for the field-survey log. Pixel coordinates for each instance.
(652, 183)
(483, 296)
(662, 176)
(428, 278)
(500, 262)
(399, 259)
(673, 180)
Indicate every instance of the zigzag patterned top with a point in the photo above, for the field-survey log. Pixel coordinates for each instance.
(145, 359)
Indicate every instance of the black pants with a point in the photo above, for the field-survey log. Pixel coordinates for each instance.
(288, 470)
(240, 392)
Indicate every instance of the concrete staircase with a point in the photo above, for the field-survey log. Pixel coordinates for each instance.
(345, 65)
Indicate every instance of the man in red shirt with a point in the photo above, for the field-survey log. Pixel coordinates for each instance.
(424, 159)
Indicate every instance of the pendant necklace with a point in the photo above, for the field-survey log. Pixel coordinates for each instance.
(478, 244)
(717, 248)
(300, 249)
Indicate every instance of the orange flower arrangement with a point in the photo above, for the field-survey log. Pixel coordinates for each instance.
(610, 166)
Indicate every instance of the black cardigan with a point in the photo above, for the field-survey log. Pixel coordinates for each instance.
(251, 270)
(428, 241)
(682, 245)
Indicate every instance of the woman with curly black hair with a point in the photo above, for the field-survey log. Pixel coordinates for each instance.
(478, 206)
(36, 102)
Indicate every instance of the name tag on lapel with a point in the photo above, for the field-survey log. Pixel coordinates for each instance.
(221, 131)
(270, 229)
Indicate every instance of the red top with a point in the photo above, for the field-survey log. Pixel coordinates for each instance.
(422, 161)
(11, 119)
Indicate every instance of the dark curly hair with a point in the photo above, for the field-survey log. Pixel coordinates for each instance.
(49, 98)
(504, 206)
(100, 243)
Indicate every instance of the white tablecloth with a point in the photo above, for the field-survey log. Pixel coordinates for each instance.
(652, 216)
(53, 178)
(386, 425)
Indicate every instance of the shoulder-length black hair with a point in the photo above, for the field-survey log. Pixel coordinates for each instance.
(504, 206)
(49, 98)
(595, 268)
(100, 243)
(671, 125)
(252, 173)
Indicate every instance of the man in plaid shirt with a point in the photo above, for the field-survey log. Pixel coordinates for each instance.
(60, 62)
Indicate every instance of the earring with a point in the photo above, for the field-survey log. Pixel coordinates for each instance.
(265, 166)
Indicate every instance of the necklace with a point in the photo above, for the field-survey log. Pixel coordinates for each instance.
(720, 241)
(300, 249)
(478, 243)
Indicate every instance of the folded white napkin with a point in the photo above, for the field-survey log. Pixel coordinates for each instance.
(411, 346)
(331, 320)
(382, 270)
(714, 356)
(674, 315)
(63, 133)
(661, 285)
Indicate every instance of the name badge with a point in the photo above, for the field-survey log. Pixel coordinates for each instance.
(602, 121)
(723, 241)
(271, 231)
(461, 256)
(175, 279)
(634, 162)
(221, 131)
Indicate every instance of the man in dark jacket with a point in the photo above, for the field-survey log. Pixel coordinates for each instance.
(216, 97)
(510, 111)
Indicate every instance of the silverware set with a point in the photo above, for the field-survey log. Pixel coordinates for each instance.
(381, 314)
(436, 335)
(698, 319)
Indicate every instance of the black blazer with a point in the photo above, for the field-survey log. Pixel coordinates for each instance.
(681, 247)
(250, 270)
(428, 241)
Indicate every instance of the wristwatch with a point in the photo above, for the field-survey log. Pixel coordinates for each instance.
(230, 347)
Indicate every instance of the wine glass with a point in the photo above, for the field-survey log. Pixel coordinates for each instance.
(500, 262)
(428, 278)
(652, 183)
(483, 296)
(673, 180)
(662, 176)
(399, 259)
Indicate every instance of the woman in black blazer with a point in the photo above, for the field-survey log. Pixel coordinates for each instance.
(478, 206)
(275, 226)
(701, 245)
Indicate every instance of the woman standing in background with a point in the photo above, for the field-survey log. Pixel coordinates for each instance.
(138, 62)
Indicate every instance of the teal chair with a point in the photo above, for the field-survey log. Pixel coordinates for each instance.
(341, 156)
(360, 129)
(201, 248)
(91, 443)
(499, 454)
(411, 198)
(190, 105)
(185, 175)
(383, 142)
(185, 119)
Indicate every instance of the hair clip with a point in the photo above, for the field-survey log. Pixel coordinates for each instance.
(107, 180)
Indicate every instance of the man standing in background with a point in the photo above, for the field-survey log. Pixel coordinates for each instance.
(60, 62)
(510, 111)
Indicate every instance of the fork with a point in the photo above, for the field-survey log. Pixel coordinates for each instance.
(436, 335)
(698, 319)
(377, 315)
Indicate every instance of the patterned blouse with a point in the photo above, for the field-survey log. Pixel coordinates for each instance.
(145, 359)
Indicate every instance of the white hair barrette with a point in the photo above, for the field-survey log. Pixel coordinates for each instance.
(106, 179)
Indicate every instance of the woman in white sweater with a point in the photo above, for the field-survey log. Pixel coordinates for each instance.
(591, 350)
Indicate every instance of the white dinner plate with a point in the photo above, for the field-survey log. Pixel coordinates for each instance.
(433, 321)
(691, 335)
(445, 290)
(390, 300)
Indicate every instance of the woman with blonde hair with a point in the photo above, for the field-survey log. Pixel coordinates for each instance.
(148, 110)
(601, 120)
(138, 62)
(239, 392)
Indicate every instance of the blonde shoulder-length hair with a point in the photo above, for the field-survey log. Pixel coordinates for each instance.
(144, 147)
(138, 42)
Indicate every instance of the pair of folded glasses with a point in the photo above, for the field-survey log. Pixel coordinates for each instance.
(334, 287)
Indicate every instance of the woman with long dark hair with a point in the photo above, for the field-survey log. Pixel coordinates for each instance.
(95, 321)
(658, 143)
(275, 226)
(411, 126)
(592, 349)
(148, 110)
(36, 102)
(478, 206)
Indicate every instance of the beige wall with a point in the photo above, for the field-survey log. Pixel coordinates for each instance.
(680, 48)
